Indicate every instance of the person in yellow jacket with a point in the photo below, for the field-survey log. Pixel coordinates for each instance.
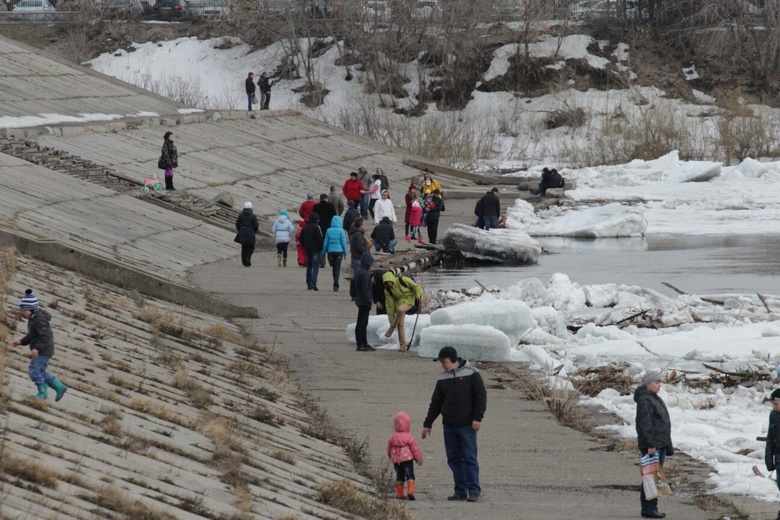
(401, 296)
(429, 185)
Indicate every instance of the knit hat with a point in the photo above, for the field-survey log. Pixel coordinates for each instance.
(651, 376)
(247, 205)
(29, 301)
(363, 166)
(447, 353)
(412, 187)
(775, 395)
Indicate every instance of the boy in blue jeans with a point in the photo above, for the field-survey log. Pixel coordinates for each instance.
(41, 340)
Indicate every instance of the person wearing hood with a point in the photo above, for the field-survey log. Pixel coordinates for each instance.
(653, 430)
(461, 399)
(383, 236)
(335, 246)
(402, 295)
(350, 216)
(40, 338)
(307, 207)
(311, 240)
(414, 223)
(363, 299)
(403, 451)
(283, 231)
(247, 225)
(384, 208)
(298, 246)
(358, 243)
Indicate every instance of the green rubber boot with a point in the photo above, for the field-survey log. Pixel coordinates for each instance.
(43, 393)
(58, 387)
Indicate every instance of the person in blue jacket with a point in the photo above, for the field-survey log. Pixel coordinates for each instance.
(284, 232)
(335, 246)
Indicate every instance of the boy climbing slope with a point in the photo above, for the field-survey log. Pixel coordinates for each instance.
(40, 338)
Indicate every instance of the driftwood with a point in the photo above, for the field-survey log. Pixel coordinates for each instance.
(679, 291)
(632, 317)
(766, 305)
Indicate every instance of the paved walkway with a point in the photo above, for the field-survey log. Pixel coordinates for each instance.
(531, 466)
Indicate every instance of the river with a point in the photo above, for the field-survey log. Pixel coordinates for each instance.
(704, 265)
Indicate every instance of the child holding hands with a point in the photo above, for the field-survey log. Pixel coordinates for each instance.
(403, 450)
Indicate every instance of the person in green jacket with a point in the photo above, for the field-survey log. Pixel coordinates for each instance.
(401, 296)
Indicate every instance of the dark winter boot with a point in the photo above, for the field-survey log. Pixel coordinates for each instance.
(58, 387)
(43, 393)
(284, 262)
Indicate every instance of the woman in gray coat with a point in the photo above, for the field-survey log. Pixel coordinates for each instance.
(653, 430)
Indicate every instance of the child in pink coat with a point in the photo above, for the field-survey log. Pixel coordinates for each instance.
(403, 450)
(414, 222)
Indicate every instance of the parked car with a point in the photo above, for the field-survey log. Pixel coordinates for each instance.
(426, 9)
(123, 8)
(168, 8)
(207, 7)
(33, 6)
(377, 9)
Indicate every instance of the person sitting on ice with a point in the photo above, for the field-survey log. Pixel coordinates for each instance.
(550, 179)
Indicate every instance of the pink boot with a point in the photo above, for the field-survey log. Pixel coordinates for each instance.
(409, 238)
(420, 241)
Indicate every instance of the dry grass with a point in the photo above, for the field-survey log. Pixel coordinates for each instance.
(149, 314)
(27, 469)
(111, 423)
(559, 401)
(159, 410)
(345, 496)
(592, 381)
(198, 395)
(217, 331)
(284, 456)
(124, 503)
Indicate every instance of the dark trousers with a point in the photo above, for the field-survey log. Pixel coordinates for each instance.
(246, 254)
(267, 100)
(433, 229)
(404, 471)
(491, 222)
(335, 264)
(281, 249)
(371, 205)
(312, 268)
(460, 444)
(361, 337)
(169, 180)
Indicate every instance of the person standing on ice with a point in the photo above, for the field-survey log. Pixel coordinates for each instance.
(40, 337)
(772, 450)
(461, 399)
(653, 431)
(402, 295)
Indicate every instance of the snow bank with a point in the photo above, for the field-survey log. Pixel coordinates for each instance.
(478, 342)
(513, 318)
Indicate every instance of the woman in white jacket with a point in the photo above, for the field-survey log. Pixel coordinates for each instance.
(384, 208)
(284, 232)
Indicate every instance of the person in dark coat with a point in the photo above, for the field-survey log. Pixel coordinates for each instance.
(653, 430)
(40, 338)
(383, 236)
(326, 211)
(250, 89)
(378, 290)
(265, 85)
(350, 216)
(491, 209)
(363, 299)
(433, 212)
(358, 243)
(247, 225)
(772, 449)
(169, 158)
(550, 179)
(311, 240)
(461, 399)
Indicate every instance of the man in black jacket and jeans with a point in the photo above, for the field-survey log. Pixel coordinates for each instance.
(311, 240)
(491, 209)
(461, 399)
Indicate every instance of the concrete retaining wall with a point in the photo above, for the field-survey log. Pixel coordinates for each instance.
(121, 276)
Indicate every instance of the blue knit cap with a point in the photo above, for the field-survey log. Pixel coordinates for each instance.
(29, 301)
(284, 212)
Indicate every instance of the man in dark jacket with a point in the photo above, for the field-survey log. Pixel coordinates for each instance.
(383, 236)
(653, 430)
(433, 212)
(772, 449)
(461, 399)
(491, 209)
(550, 179)
(363, 299)
(265, 85)
(326, 211)
(358, 244)
(250, 89)
(40, 338)
(350, 216)
(247, 225)
(311, 240)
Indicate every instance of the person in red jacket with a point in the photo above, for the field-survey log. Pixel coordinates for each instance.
(411, 195)
(352, 189)
(298, 246)
(307, 207)
(403, 450)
